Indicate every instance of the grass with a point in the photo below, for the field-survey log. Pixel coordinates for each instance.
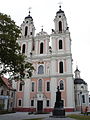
(74, 116)
(79, 117)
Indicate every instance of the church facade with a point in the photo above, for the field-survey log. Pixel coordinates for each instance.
(53, 66)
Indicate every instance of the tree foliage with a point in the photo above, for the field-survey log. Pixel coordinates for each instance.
(10, 55)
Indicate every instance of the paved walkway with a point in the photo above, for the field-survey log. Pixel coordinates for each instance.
(58, 119)
(24, 115)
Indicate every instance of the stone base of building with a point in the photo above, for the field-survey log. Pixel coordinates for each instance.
(44, 110)
(25, 109)
(69, 109)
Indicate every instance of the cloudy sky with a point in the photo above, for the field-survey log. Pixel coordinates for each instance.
(43, 13)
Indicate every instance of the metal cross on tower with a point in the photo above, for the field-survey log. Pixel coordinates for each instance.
(60, 3)
(29, 9)
(42, 27)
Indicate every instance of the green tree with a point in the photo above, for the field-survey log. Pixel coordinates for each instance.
(10, 56)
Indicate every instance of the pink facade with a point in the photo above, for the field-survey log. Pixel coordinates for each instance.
(53, 67)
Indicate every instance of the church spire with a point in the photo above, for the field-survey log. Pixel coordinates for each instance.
(77, 72)
(29, 16)
(29, 10)
(60, 10)
(28, 29)
(60, 21)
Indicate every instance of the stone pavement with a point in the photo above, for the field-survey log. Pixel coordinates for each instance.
(24, 115)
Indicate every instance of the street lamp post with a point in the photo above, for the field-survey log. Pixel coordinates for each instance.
(81, 101)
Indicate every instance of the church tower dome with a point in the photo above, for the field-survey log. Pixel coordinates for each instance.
(29, 17)
(27, 35)
(60, 11)
(78, 79)
(27, 27)
(60, 21)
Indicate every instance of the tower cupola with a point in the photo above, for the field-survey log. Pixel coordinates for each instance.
(60, 11)
(29, 17)
(78, 79)
(77, 73)
(27, 27)
(60, 21)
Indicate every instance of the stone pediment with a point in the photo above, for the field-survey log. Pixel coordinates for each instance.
(42, 33)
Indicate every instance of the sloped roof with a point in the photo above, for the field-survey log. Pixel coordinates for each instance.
(7, 83)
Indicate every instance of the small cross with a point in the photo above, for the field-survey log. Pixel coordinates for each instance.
(60, 3)
(29, 9)
(42, 27)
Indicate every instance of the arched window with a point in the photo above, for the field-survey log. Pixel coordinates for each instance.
(40, 85)
(23, 48)
(60, 44)
(41, 48)
(20, 87)
(48, 103)
(20, 102)
(26, 31)
(33, 86)
(61, 85)
(60, 26)
(48, 86)
(61, 67)
(40, 69)
(83, 98)
(32, 102)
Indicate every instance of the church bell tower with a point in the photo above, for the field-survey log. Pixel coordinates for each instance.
(60, 21)
(62, 59)
(27, 36)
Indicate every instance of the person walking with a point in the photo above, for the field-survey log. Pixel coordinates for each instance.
(86, 111)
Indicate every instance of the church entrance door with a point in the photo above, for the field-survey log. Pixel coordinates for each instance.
(39, 106)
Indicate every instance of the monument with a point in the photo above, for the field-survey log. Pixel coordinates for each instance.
(59, 110)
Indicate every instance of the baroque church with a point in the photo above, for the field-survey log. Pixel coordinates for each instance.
(53, 67)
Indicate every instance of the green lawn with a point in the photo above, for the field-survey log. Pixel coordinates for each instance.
(79, 117)
(76, 117)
